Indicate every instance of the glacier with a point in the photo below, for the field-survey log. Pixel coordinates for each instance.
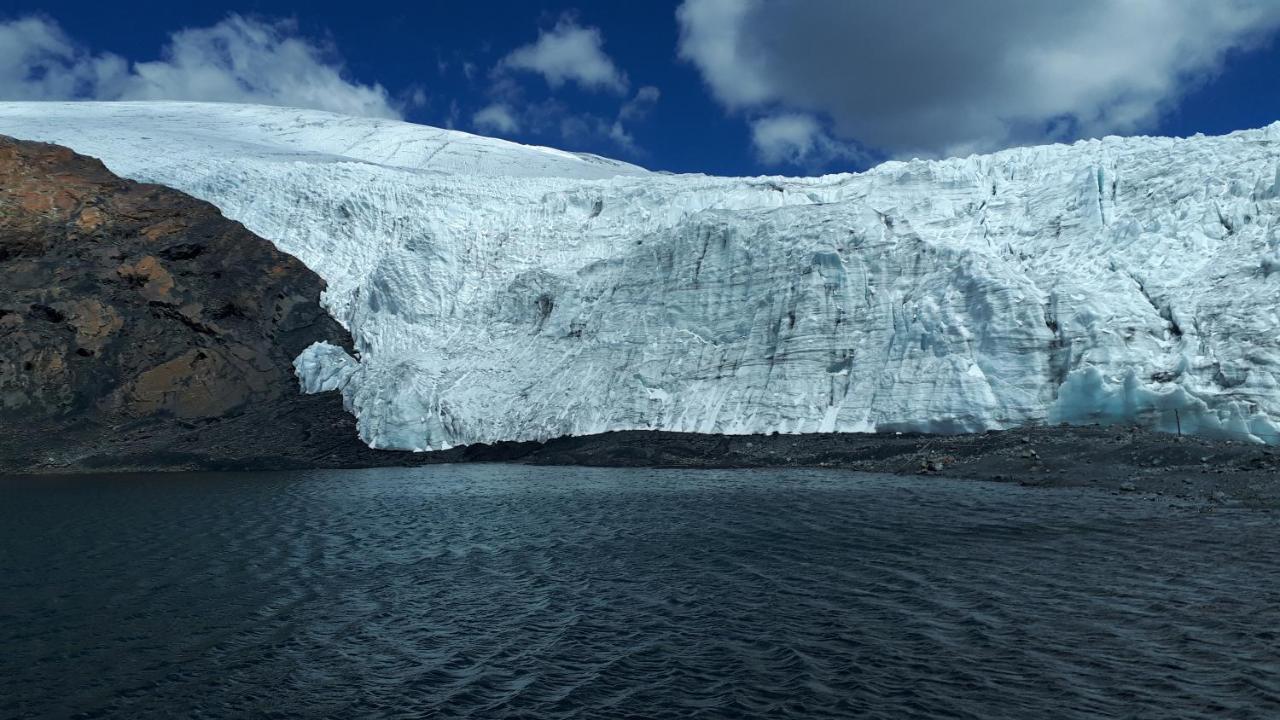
(498, 291)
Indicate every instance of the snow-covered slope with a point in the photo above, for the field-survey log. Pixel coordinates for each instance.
(504, 292)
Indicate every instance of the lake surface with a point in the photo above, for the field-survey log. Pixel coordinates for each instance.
(502, 591)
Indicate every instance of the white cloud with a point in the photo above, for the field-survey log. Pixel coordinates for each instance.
(622, 137)
(639, 106)
(553, 119)
(797, 139)
(496, 118)
(39, 62)
(569, 52)
(236, 60)
(711, 36)
(576, 128)
(920, 76)
(451, 119)
(784, 138)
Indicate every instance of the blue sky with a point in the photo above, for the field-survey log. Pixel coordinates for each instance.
(717, 86)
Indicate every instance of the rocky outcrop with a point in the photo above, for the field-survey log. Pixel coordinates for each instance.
(139, 328)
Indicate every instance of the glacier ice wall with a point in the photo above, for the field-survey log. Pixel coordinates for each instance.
(497, 291)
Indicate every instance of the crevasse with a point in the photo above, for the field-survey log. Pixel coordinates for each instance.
(497, 291)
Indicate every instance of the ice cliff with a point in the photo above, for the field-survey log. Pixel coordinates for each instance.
(497, 291)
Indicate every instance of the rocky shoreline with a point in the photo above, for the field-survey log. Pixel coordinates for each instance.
(1119, 459)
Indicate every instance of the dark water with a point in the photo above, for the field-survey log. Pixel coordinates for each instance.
(495, 592)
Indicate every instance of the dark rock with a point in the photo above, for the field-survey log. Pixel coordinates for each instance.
(141, 329)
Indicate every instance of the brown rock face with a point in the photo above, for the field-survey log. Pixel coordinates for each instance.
(141, 329)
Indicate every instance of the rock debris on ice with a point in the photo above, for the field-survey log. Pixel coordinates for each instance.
(505, 292)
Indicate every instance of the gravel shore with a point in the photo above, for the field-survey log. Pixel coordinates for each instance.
(1122, 459)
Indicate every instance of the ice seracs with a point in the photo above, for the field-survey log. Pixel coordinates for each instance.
(504, 292)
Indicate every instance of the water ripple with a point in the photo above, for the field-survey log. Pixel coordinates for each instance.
(513, 592)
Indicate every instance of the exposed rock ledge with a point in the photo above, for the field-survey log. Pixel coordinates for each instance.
(141, 328)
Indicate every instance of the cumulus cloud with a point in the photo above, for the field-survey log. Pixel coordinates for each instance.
(569, 53)
(39, 62)
(237, 60)
(797, 139)
(920, 76)
(496, 118)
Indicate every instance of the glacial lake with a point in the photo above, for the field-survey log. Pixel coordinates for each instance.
(492, 591)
